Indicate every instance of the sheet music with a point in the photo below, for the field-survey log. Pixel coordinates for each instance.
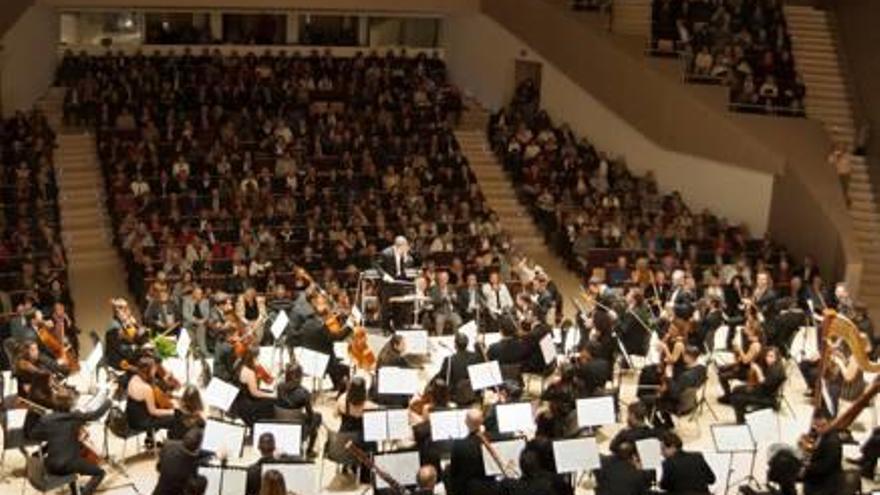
(402, 466)
(220, 394)
(548, 349)
(484, 375)
(356, 315)
(720, 465)
(596, 411)
(313, 363)
(576, 455)
(15, 419)
(764, 426)
(299, 477)
(470, 329)
(398, 425)
(719, 342)
(732, 438)
(288, 436)
(221, 436)
(376, 342)
(10, 383)
(95, 357)
(448, 425)
(508, 451)
(183, 343)
(415, 341)
(176, 366)
(650, 454)
(280, 323)
(654, 356)
(375, 426)
(398, 381)
(515, 418)
(234, 480)
(490, 338)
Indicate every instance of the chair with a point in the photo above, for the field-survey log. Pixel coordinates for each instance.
(703, 402)
(335, 451)
(117, 424)
(782, 400)
(40, 479)
(13, 439)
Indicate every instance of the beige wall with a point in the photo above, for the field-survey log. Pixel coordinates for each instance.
(9, 12)
(481, 56)
(434, 6)
(28, 58)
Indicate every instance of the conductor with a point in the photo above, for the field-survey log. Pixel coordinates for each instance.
(394, 261)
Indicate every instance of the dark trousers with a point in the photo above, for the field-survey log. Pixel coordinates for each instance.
(871, 452)
(730, 372)
(742, 399)
(81, 467)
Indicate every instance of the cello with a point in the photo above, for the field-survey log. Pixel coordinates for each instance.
(57, 346)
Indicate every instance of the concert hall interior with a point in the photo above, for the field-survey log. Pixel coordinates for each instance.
(463, 247)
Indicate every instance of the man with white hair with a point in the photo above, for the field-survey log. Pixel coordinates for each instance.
(466, 475)
(841, 301)
(681, 301)
(395, 259)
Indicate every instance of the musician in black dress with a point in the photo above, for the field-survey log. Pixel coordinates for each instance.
(292, 395)
(251, 404)
(764, 380)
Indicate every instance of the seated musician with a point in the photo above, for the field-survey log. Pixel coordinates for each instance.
(671, 352)
(870, 453)
(179, 462)
(634, 325)
(35, 382)
(534, 478)
(223, 327)
(251, 404)
(560, 395)
(511, 349)
(143, 411)
(744, 357)
(123, 338)
(636, 428)
(162, 314)
(683, 472)
(621, 473)
(350, 407)
(509, 391)
(434, 396)
(317, 337)
(766, 376)
(444, 299)
(292, 395)
(62, 431)
(251, 311)
(593, 372)
(29, 333)
(426, 481)
(465, 473)
(64, 326)
(454, 370)
(822, 472)
(189, 415)
(669, 395)
(268, 455)
(392, 353)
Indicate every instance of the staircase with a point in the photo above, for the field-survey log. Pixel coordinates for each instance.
(94, 268)
(814, 44)
(631, 17)
(502, 198)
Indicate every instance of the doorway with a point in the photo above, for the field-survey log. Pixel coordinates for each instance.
(528, 70)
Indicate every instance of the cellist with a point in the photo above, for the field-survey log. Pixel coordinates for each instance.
(146, 407)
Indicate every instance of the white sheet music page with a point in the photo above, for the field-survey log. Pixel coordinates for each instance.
(183, 342)
(95, 357)
(314, 363)
(508, 452)
(548, 349)
(515, 417)
(299, 478)
(448, 425)
(650, 453)
(402, 466)
(398, 381)
(375, 425)
(398, 425)
(576, 455)
(720, 466)
(221, 436)
(596, 411)
(732, 438)
(220, 394)
(280, 323)
(484, 375)
(764, 425)
(416, 341)
(288, 436)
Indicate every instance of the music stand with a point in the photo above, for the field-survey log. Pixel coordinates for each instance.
(735, 439)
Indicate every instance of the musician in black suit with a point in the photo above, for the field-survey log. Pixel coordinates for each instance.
(465, 473)
(712, 319)
(511, 349)
(766, 376)
(621, 474)
(636, 428)
(454, 370)
(684, 473)
(681, 300)
(667, 401)
(317, 337)
(266, 446)
(61, 431)
(179, 462)
(394, 261)
(822, 472)
(764, 296)
(790, 319)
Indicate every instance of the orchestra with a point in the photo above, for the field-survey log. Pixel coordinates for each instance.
(676, 332)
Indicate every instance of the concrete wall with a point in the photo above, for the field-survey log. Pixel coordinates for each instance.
(28, 58)
(481, 56)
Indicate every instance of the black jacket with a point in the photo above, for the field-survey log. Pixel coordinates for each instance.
(686, 473)
(465, 472)
(61, 432)
(632, 435)
(176, 466)
(619, 477)
(822, 474)
(508, 350)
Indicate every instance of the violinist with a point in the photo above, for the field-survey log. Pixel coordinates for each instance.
(745, 355)
(292, 395)
(62, 432)
(223, 328)
(189, 415)
(124, 337)
(454, 370)
(317, 337)
(434, 396)
(669, 395)
(671, 352)
(143, 410)
(251, 312)
(765, 377)
(251, 404)
(465, 473)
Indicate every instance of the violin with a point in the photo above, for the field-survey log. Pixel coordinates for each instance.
(241, 341)
(331, 319)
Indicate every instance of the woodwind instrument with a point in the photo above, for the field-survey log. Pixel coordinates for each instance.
(506, 470)
(364, 459)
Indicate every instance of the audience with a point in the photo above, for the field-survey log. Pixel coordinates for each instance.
(744, 44)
